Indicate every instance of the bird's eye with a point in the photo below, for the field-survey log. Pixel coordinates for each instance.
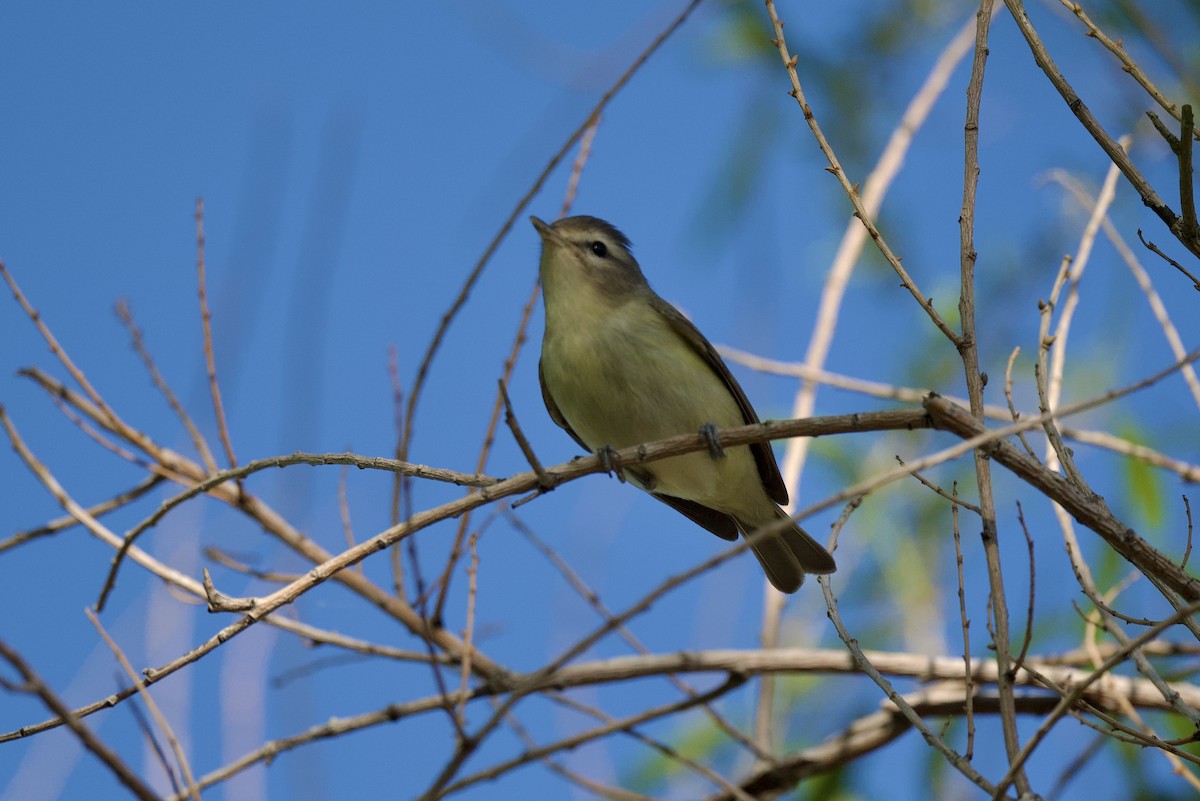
(600, 249)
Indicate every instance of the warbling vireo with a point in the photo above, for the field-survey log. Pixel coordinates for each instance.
(621, 366)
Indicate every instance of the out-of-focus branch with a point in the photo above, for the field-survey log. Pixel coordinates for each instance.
(435, 343)
(210, 359)
(833, 294)
(164, 725)
(1127, 63)
(34, 684)
(851, 190)
(947, 695)
(1084, 505)
(1118, 156)
(63, 523)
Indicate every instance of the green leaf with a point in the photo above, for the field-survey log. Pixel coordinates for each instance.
(1146, 495)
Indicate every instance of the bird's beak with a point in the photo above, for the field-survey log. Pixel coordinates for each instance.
(547, 233)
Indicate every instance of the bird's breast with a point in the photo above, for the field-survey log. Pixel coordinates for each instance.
(625, 377)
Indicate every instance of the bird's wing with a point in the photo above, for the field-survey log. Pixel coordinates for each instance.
(553, 409)
(719, 523)
(764, 458)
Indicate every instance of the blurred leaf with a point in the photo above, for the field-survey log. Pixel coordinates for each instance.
(833, 786)
(741, 36)
(1144, 482)
(698, 739)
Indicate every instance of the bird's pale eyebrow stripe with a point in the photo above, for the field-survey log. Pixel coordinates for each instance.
(592, 224)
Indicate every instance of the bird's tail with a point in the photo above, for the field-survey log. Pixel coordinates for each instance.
(787, 553)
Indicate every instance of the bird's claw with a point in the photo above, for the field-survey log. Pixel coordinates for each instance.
(708, 432)
(608, 459)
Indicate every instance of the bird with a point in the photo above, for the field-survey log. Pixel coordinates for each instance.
(620, 366)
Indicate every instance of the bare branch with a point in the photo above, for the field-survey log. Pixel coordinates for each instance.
(1093, 126)
(181, 760)
(34, 684)
(210, 359)
(851, 191)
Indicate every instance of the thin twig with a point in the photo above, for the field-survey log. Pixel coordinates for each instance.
(399, 483)
(63, 523)
(60, 397)
(1157, 307)
(958, 761)
(1027, 639)
(469, 284)
(1187, 194)
(1093, 127)
(210, 360)
(835, 167)
(35, 685)
(875, 189)
(952, 497)
(1127, 63)
(468, 634)
(1181, 146)
(344, 510)
(1102, 439)
(592, 598)
(510, 363)
(662, 748)
(871, 389)
(1079, 263)
(1155, 249)
(486, 449)
(222, 602)
(1014, 415)
(1187, 507)
(968, 348)
(57, 349)
(1075, 766)
(634, 455)
(422, 605)
(139, 345)
(732, 682)
(1081, 502)
(164, 725)
(152, 742)
(1142, 737)
(1075, 692)
(225, 560)
(510, 418)
(239, 473)
(969, 690)
(755, 662)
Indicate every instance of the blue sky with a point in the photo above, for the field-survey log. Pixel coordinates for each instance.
(354, 163)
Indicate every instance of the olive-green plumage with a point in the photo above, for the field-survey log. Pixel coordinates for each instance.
(620, 366)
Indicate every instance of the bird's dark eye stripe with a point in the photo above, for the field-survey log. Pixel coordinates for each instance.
(600, 249)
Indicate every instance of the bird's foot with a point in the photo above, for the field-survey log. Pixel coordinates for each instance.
(609, 459)
(708, 432)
